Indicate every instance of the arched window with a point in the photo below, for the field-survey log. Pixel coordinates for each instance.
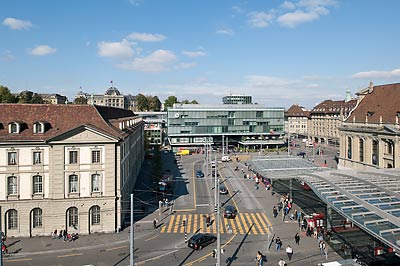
(349, 147)
(37, 183)
(12, 219)
(72, 216)
(12, 185)
(95, 215)
(37, 217)
(361, 148)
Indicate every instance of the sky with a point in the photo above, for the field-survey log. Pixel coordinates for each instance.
(280, 52)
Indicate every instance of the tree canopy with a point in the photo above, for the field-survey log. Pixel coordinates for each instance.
(142, 103)
(6, 96)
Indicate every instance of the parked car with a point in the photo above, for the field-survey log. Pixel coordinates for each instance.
(223, 190)
(230, 212)
(200, 240)
(199, 173)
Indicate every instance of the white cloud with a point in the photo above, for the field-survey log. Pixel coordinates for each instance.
(194, 53)
(184, 65)
(158, 61)
(121, 49)
(7, 56)
(377, 74)
(260, 19)
(292, 19)
(237, 9)
(42, 50)
(17, 24)
(136, 2)
(146, 37)
(288, 5)
(316, 3)
(225, 31)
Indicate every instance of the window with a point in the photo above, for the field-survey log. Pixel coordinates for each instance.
(12, 219)
(37, 157)
(96, 183)
(37, 217)
(96, 156)
(12, 185)
(73, 184)
(73, 216)
(14, 128)
(349, 147)
(375, 152)
(12, 158)
(95, 215)
(73, 157)
(38, 128)
(361, 150)
(37, 184)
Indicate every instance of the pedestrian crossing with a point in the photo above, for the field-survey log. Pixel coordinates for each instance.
(253, 223)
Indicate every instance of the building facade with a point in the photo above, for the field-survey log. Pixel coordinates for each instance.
(54, 98)
(68, 167)
(370, 137)
(111, 98)
(154, 127)
(237, 99)
(326, 118)
(193, 125)
(297, 120)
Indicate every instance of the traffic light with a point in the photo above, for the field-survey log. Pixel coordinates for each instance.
(184, 222)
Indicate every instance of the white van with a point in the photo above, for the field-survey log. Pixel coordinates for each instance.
(225, 158)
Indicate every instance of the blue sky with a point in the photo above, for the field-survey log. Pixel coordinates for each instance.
(280, 52)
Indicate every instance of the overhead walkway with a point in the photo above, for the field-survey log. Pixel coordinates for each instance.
(369, 199)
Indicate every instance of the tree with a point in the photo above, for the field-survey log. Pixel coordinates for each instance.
(185, 102)
(154, 104)
(25, 97)
(169, 102)
(36, 98)
(194, 102)
(142, 104)
(80, 100)
(6, 96)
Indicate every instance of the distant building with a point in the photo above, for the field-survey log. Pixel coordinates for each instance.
(297, 120)
(327, 117)
(154, 126)
(67, 167)
(237, 99)
(244, 125)
(54, 98)
(112, 98)
(370, 136)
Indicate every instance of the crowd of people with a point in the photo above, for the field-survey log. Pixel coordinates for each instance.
(62, 234)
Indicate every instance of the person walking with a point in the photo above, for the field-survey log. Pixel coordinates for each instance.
(155, 223)
(278, 243)
(259, 258)
(281, 262)
(297, 238)
(289, 252)
(274, 211)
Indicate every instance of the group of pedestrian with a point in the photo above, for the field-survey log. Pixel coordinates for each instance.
(62, 234)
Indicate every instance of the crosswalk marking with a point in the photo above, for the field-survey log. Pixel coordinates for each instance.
(197, 223)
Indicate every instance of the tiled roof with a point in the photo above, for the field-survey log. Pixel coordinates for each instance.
(334, 107)
(61, 118)
(296, 110)
(383, 101)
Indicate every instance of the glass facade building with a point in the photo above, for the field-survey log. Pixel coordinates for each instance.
(194, 124)
(237, 99)
(154, 127)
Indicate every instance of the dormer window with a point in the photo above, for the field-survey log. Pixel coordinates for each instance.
(14, 127)
(38, 128)
(369, 113)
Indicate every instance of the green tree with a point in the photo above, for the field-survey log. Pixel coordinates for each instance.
(194, 102)
(36, 98)
(25, 97)
(185, 102)
(80, 100)
(142, 104)
(169, 102)
(6, 96)
(154, 104)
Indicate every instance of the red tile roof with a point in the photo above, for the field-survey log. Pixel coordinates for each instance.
(334, 107)
(383, 101)
(296, 110)
(62, 118)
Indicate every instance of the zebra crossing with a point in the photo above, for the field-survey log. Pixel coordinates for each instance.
(253, 223)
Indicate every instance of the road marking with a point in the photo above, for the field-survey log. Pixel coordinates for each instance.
(263, 223)
(155, 258)
(151, 238)
(17, 260)
(171, 222)
(177, 224)
(203, 205)
(70, 255)
(109, 249)
(253, 228)
(246, 228)
(266, 218)
(183, 227)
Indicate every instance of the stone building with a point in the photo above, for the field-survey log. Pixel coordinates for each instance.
(112, 97)
(326, 117)
(370, 137)
(67, 167)
(297, 119)
(54, 98)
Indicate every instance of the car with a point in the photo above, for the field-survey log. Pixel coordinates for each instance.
(230, 212)
(223, 190)
(301, 153)
(199, 173)
(200, 240)
(226, 158)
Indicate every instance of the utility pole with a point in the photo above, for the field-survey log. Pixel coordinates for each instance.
(223, 146)
(132, 260)
(1, 240)
(218, 231)
(216, 184)
(288, 145)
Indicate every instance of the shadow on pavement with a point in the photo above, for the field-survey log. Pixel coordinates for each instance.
(234, 255)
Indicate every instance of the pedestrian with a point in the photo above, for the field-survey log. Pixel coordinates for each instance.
(325, 250)
(321, 246)
(55, 234)
(278, 243)
(60, 235)
(282, 262)
(297, 238)
(274, 211)
(65, 235)
(259, 258)
(289, 252)
(208, 220)
(155, 223)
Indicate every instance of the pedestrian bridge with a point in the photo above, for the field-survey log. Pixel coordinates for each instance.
(369, 199)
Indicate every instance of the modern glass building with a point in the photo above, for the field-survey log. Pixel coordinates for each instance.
(154, 127)
(237, 99)
(191, 125)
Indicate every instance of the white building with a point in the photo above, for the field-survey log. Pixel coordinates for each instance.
(67, 167)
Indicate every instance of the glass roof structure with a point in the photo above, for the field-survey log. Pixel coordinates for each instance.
(370, 199)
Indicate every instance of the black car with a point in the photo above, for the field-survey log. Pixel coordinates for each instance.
(301, 153)
(200, 240)
(199, 173)
(230, 212)
(223, 190)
